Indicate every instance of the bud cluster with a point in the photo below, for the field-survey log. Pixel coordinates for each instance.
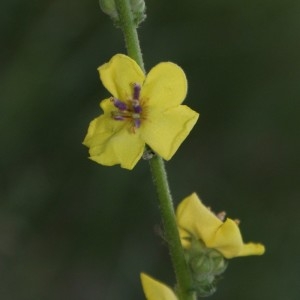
(137, 8)
(206, 265)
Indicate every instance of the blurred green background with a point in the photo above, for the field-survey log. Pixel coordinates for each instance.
(71, 229)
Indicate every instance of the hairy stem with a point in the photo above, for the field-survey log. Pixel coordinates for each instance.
(184, 285)
(130, 32)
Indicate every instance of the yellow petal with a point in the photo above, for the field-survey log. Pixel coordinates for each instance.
(165, 131)
(104, 124)
(185, 238)
(155, 290)
(107, 106)
(165, 86)
(252, 249)
(227, 239)
(110, 142)
(196, 219)
(118, 74)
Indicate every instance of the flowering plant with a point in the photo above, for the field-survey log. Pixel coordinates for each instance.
(144, 114)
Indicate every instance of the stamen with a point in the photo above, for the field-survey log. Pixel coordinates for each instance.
(117, 116)
(119, 104)
(137, 123)
(136, 106)
(136, 120)
(136, 91)
(131, 110)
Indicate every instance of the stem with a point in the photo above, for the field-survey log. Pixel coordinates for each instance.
(130, 33)
(184, 283)
(184, 286)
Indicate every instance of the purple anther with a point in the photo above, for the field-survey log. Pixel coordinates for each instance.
(136, 106)
(137, 109)
(137, 123)
(136, 91)
(118, 118)
(119, 104)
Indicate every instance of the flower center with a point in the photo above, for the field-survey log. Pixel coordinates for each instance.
(129, 110)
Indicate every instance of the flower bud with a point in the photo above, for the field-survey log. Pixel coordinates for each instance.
(137, 8)
(205, 290)
(109, 8)
(206, 265)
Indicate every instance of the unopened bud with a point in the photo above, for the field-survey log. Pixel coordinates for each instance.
(205, 290)
(109, 8)
(138, 8)
(206, 265)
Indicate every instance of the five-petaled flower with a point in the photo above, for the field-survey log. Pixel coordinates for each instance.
(196, 221)
(142, 110)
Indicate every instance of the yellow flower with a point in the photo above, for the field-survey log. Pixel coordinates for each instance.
(197, 221)
(155, 290)
(142, 110)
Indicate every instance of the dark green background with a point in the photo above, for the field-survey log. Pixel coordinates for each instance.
(71, 229)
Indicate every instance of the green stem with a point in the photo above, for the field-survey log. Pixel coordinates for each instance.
(130, 33)
(184, 284)
(182, 273)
